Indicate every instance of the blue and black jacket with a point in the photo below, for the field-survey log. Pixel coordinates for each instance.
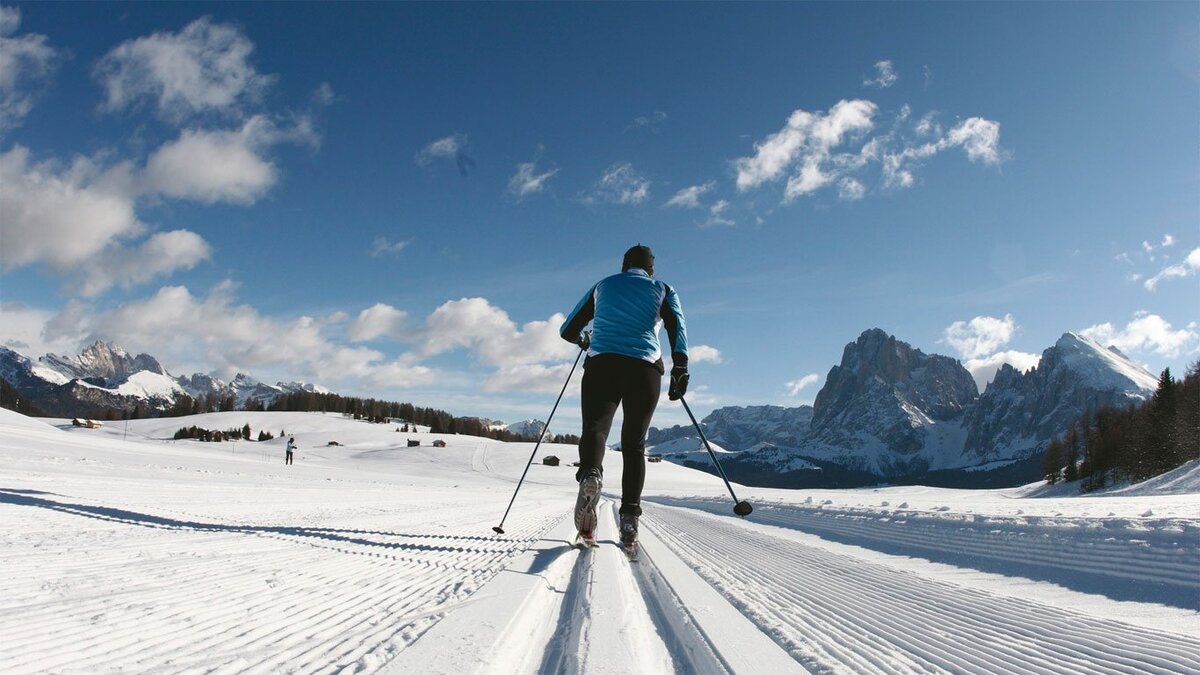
(626, 311)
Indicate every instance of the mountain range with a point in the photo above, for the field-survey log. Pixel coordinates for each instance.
(891, 413)
(105, 377)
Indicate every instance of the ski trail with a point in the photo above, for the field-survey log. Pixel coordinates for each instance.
(836, 613)
(162, 593)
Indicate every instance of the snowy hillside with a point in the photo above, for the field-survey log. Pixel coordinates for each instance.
(124, 551)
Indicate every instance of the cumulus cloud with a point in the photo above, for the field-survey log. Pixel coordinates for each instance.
(796, 386)
(689, 197)
(1167, 241)
(527, 180)
(1187, 268)
(1146, 333)
(807, 140)
(25, 330)
(379, 320)
(58, 215)
(382, 246)
(704, 354)
(452, 148)
(885, 75)
(620, 184)
(26, 64)
(980, 336)
(221, 166)
(162, 254)
(216, 333)
(201, 69)
(983, 370)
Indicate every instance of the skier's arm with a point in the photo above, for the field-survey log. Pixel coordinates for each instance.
(580, 316)
(672, 315)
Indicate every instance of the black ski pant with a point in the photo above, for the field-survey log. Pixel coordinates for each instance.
(610, 380)
(288, 459)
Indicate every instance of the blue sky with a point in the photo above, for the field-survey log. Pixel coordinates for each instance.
(400, 200)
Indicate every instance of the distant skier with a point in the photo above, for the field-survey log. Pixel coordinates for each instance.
(291, 445)
(624, 367)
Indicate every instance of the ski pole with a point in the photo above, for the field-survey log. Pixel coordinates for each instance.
(742, 508)
(499, 529)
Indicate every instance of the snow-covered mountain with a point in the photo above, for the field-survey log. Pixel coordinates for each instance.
(105, 376)
(891, 412)
(527, 428)
(1019, 413)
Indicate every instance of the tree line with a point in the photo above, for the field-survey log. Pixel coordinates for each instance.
(368, 409)
(1110, 445)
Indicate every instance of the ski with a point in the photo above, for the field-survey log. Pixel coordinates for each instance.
(631, 551)
(585, 541)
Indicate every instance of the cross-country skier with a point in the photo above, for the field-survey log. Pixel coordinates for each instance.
(624, 367)
(291, 445)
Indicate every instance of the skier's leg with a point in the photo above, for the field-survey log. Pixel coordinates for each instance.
(643, 383)
(599, 401)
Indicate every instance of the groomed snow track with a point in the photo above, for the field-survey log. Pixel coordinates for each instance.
(710, 590)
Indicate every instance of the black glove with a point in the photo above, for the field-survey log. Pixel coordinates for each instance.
(585, 340)
(679, 383)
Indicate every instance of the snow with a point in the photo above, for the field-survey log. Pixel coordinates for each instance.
(1103, 368)
(123, 550)
(148, 385)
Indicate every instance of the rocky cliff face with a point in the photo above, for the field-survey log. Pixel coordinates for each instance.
(885, 392)
(1019, 413)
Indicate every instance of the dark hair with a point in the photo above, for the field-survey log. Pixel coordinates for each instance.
(639, 256)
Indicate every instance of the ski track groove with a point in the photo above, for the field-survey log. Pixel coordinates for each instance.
(901, 627)
(1165, 555)
(311, 606)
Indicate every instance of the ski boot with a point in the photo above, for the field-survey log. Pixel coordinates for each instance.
(629, 536)
(585, 508)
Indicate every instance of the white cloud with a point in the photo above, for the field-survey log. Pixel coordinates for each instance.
(984, 369)
(220, 166)
(162, 254)
(529, 377)
(60, 216)
(323, 95)
(704, 354)
(215, 334)
(885, 75)
(1146, 333)
(851, 189)
(808, 139)
(25, 330)
(980, 336)
(491, 336)
(651, 121)
(379, 320)
(620, 184)
(716, 214)
(1167, 241)
(979, 138)
(796, 386)
(527, 180)
(1187, 268)
(203, 68)
(381, 246)
(449, 148)
(26, 63)
(689, 197)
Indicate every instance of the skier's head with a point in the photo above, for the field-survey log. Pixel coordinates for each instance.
(640, 257)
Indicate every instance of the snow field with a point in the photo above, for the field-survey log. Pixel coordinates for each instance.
(370, 556)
